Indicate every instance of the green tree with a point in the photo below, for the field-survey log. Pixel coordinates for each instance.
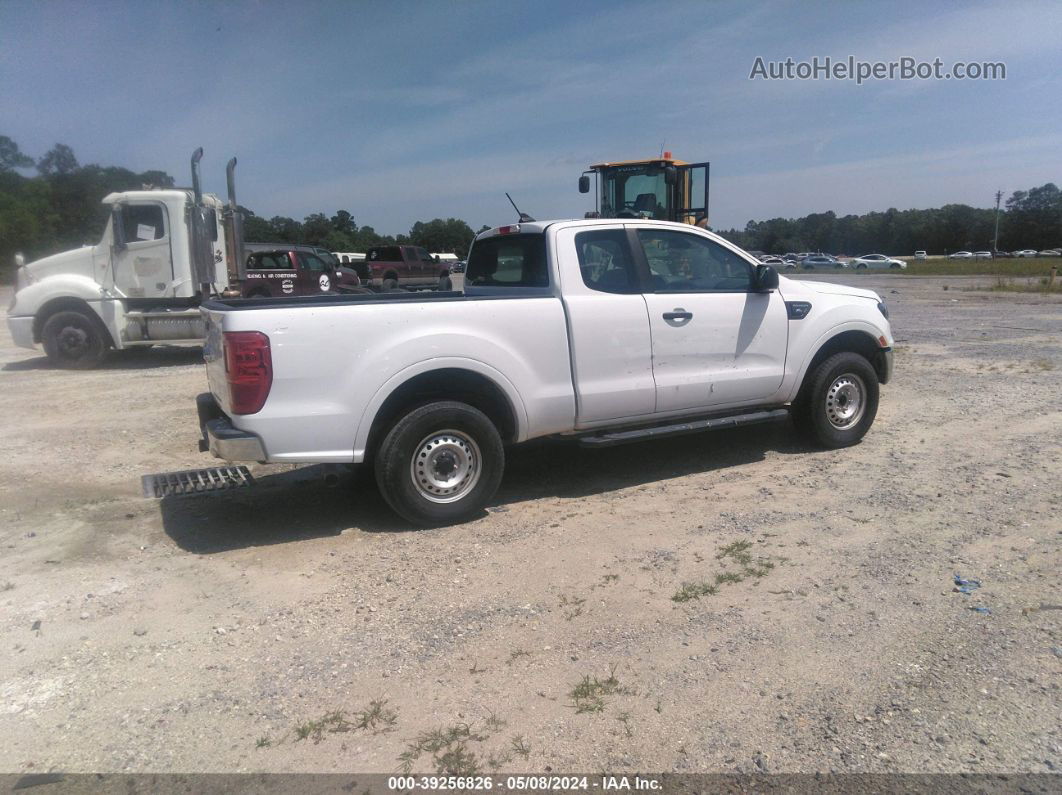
(1033, 218)
(11, 157)
(59, 160)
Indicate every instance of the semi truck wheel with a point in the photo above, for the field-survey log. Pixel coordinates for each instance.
(73, 341)
(440, 463)
(840, 403)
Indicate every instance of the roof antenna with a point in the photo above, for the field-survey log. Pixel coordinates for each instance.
(524, 217)
(662, 145)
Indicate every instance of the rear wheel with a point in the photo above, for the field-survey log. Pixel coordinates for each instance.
(73, 341)
(440, 463)
(862, 266)
(840, 402)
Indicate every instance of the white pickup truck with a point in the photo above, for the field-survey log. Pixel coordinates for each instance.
(608, 330)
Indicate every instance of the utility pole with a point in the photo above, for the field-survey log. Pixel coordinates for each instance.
(995, 240)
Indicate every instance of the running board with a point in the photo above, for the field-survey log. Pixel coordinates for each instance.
(665, 431)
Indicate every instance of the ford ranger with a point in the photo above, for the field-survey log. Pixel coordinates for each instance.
(606, 330)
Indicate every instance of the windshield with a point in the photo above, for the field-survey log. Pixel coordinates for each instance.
(635, 191)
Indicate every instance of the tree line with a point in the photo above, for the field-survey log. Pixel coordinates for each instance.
(59, 208)
(1030, 219)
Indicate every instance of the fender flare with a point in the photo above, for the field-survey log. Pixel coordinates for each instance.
(372, 408)
(861, 326)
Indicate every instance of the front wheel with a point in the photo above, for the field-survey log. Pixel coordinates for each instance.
(73, 341)
(440, 463)
(840, 402)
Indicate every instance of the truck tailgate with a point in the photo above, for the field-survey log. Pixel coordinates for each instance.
(214, 356)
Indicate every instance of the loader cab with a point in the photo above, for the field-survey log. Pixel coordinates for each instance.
(664, 189)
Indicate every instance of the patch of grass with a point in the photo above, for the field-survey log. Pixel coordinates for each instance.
(738, 550)
(516, 654)
(573, 605)
(263, 742)
(1031, 266)
(494, 723)
(1039, 364)
(728, 576)
(376, 718)
(448, 747)
(588, 694)
(520, 745)
(693, 590)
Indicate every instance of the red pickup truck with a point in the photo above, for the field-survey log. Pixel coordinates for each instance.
(390, 267)
(285, 272)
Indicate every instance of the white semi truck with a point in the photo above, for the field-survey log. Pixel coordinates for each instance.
(162, 253)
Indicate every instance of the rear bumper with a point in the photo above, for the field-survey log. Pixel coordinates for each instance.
(221, 438)
(21, 329)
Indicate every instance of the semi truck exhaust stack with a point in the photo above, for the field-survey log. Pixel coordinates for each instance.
(233, 221)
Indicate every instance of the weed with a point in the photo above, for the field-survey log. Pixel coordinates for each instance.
(263, 742)
(1039, 364)
(497, 761)
(694, 590)
(494, 723)
(516, 654)
(457, 760)
(448, 747)
(738, 550)
(659, 708)
(588, 694)
(574, 603)
(474, 669)
(625, 719)
(520, 745)
(728, 576)
(8, 586)
(376, 718)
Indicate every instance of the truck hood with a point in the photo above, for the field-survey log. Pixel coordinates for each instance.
(792, 287)
(78, 260)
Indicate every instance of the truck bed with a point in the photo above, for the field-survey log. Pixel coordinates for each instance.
(344, 299)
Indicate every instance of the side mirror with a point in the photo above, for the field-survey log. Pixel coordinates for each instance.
(670, 175)
(766, 278)
(117, 228)
(19, 260)
(584, 184)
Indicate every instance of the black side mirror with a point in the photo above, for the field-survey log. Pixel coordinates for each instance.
(584, 184)
(766, 278)
(670, 175)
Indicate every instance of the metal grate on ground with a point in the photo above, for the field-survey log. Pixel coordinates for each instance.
(196, 481)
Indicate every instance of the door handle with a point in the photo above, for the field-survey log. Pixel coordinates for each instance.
(678, 314)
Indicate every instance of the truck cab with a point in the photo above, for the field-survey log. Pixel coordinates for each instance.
(401, 266)
(661, 189)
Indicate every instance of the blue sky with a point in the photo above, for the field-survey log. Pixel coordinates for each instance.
(401, 111)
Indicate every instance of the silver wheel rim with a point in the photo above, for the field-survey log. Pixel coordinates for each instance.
(446, 466)
(846, 401)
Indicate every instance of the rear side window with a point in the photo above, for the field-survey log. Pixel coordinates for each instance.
(508, 261)
(385, 254)
(605, 261)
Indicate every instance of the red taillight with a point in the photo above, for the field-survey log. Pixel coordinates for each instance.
(248, 369)
(509, 230)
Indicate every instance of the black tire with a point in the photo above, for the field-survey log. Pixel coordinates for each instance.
(464, 438)
(862, 266)
(845, 382)
(74, 341)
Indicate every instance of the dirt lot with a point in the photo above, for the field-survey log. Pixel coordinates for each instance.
(212, 633)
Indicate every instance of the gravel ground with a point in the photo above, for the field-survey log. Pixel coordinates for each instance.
(225, 633)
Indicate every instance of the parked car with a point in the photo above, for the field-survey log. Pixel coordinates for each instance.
(770, 259)
(1025, 252)
(1051, 252)
(821, 261)
(1002, 255)
(876, 261)
(561, 332)
(920, 254)
(392, 267)
(294, 271)
(982, 255)
(960, 255)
